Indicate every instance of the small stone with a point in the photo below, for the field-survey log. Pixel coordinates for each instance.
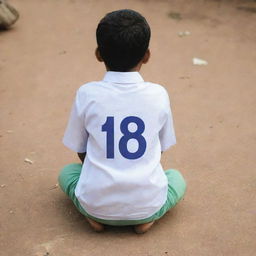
(184, 33)
(62, 52)
(9, 131)
(200, 62)
(26, 160)
(3, 185)
(175, 15)
(11, 211)
(54, 187)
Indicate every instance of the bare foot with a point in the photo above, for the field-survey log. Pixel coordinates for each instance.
(98, 227)
(143, 228)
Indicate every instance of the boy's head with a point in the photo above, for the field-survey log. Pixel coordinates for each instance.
(123, 39)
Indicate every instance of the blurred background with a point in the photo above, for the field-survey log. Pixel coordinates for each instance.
(204, 53)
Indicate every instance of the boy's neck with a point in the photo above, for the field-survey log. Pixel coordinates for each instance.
(135, 69)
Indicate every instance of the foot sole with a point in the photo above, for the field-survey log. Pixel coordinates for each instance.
(98, 227)
(143, 228)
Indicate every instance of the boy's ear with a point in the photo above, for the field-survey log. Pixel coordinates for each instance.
(98, 56)
(146, 56)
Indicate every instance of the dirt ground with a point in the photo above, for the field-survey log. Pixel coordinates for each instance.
(49, 53)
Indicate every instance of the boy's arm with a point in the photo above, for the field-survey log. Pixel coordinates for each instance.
(76, 136)
(82, 156)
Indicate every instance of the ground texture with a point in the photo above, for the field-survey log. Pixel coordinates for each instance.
(49, 53)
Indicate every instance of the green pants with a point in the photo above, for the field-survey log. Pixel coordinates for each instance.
(69, 177)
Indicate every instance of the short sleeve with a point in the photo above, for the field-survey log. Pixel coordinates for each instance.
(167, 133)
(76, 136)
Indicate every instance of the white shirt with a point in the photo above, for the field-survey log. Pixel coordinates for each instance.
(123, 124)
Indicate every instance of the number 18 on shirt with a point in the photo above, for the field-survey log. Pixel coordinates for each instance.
(108, 127)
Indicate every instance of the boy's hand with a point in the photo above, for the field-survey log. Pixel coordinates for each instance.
(82, 156)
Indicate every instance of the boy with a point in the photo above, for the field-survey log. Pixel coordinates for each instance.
(119, 126)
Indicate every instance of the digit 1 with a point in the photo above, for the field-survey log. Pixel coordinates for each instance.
(108, 127)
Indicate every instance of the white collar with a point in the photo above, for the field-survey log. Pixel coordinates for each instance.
(123, 77)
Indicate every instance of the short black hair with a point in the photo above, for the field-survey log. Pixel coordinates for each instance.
(123, 39)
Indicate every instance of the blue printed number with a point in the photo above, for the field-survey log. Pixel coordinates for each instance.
(108, 127)
(132, 135)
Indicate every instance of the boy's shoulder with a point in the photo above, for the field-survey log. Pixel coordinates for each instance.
(95, 89)
(88, 89)
(159, 91)
(98, 84)
(88, 86)
(155, 86)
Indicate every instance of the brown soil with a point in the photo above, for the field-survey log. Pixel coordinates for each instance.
(49, 53)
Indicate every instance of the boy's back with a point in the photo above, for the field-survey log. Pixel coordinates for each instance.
(119, 126)
(123, 123)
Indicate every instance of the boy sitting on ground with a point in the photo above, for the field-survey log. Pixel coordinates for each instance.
(119, 126)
